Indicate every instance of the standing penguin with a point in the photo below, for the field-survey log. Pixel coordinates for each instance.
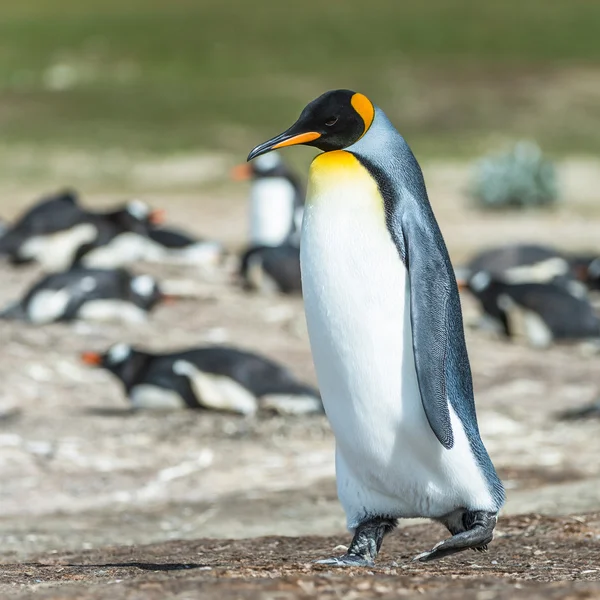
(276, 200)
(386, 333)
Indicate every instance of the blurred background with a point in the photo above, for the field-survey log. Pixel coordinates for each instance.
(159, 99)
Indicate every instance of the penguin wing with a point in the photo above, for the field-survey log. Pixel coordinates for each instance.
(439, 347)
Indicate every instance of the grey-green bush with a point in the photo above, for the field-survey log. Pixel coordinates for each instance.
(519, 178)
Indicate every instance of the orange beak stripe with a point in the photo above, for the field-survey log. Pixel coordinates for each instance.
(462, 284)
(91, 358)
(302, 138)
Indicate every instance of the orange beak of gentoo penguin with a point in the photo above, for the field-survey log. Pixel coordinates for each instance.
(241, 172)
(93, 359)
(158, 216)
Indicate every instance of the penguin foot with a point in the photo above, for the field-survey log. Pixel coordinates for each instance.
(365, 545)
(477, 536)
(348, 560)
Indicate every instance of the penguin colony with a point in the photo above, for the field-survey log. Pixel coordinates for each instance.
(387, 342)
(85, 252)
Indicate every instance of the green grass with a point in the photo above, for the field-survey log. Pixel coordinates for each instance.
(165, 76)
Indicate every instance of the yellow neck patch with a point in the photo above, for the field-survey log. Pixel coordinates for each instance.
(364, 107)
(339, 176)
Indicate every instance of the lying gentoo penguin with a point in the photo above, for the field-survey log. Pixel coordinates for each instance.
(122, 236)
(270, 269)
(87, 294)
(276, 200)
(210, 377)
(588, 411)
(385, 328)
(521, 263)
(52, 214)
(541, 313)
(58, 234)
(173, 246)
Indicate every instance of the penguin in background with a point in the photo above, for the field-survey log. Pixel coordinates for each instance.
(210, 377)
(87, 294)
(121, 236)
(276, 200)
(386, 333)
(51, 214)
(541, 313)
(58, 233)
(271, 269)
(520, 263)
(173, 246)
(271, 262)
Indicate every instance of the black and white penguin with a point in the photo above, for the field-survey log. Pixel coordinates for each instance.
(210, 377)
(122, 236)
(541, 313)
(174, 246)
(521, 263)
(87, 294)
(276, 200)
(272, 269)
(385, 327)
(587, 411)
(55, 214)
(58, 233)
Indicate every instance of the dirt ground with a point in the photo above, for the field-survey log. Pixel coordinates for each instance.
(97, 502)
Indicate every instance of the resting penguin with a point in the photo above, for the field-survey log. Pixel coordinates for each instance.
(386, 333)
(173, 246)
(542, 313)
(210, 377)
(87, 294)
(276, 200)
(52, 214)
(121, 236)
(269, 269)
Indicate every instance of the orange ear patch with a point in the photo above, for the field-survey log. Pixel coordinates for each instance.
(364, 107)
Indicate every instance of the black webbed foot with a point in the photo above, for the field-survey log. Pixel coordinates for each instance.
(477, 534)
(365, 544)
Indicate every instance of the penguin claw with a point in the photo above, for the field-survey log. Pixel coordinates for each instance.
(348, 560)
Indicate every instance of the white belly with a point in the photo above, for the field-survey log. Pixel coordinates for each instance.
(271, 210)
(357, 302)
(55, 252)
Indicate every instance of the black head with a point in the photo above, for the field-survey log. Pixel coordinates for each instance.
(122, 360)
(145, 291)
(136, 216)
(333, 121)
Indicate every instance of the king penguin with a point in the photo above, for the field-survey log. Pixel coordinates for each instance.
(386, 334)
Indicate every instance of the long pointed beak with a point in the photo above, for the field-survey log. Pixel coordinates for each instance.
(287, 138)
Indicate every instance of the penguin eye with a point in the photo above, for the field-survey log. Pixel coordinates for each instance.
(331, 121)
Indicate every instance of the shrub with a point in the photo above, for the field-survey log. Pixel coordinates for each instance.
(519, 178)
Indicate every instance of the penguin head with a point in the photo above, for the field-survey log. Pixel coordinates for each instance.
(120, 359)
(136, 216)
(333, 121)
(145, 291)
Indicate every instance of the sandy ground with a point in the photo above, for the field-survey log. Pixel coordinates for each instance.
(102, 503)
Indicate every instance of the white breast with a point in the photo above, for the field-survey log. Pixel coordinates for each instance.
(217, 391)
(56, 252)
(112, 310)
(271, 210)
(123, 249)
(356, 294)
(152, 397)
